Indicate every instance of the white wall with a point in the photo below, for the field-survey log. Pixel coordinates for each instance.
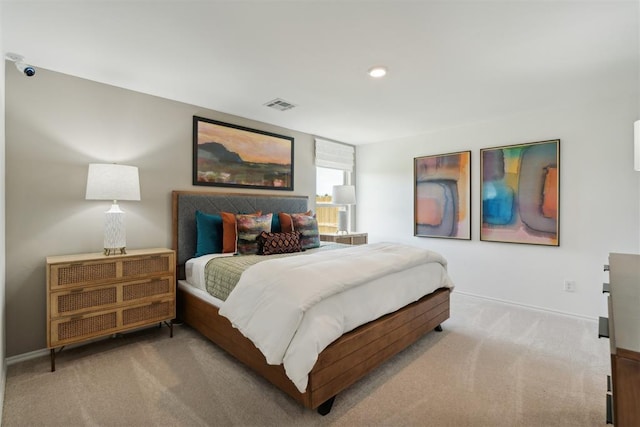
(599, 207)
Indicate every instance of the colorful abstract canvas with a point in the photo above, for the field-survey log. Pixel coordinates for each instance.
(520, 193)
(442, 202)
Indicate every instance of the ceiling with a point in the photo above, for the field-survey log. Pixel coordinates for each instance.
(450, 62)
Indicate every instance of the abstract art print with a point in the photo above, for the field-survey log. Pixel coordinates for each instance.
(442, 197)
(520, 192)
(228, 155)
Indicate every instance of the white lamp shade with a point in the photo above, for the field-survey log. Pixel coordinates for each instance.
(636, 145)
(112, 182)
(343, 195)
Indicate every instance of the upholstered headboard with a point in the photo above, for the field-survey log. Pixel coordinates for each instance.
(186, 203)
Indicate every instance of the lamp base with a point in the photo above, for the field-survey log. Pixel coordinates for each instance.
(343, 222)
(114, 251)
(114, 231)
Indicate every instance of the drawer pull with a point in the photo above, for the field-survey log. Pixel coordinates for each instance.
(74, 291)
(77, 317)
(75, 264)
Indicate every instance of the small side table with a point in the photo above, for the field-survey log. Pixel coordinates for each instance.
(347, 239)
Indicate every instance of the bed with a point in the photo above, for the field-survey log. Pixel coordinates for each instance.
(339, 365)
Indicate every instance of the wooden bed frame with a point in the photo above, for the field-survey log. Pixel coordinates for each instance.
(343, 362)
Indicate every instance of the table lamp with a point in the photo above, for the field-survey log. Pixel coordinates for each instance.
(113, 182)
(343, 195)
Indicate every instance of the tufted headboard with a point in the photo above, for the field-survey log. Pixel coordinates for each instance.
(186, 203)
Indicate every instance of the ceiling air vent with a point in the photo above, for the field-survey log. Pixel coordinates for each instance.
(280, 104)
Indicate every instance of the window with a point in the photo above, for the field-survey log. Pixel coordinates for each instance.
(327, 214)
(334, 166)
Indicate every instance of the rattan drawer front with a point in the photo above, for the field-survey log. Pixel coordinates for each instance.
(78, 329)
(65, 303)
(93, 298)
(151, 288)
(156, 311)
(66, 275)
(146, 265)
(67, 330)
(80, 273)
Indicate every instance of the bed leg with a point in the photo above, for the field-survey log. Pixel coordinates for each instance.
(325, 407)
(438, 328)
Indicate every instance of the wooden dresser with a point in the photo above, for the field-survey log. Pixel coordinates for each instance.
(622, 327)
(94, 295)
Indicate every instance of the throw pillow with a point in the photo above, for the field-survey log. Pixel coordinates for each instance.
(249, 228)
(275, 224)
(230, 232)
(308, 228)
(285, 220)
(209, 234)
(278, 243)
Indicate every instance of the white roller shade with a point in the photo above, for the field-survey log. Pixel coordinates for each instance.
(334, 155)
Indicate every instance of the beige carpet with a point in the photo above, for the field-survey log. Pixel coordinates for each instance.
(494, 365)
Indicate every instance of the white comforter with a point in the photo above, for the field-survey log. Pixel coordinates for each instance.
(292, 308)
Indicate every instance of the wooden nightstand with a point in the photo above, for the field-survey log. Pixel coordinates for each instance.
(349, 238)
(94, 295)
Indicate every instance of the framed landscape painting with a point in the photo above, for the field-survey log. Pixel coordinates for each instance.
(228, 155)
(520, 193)
(442, 196)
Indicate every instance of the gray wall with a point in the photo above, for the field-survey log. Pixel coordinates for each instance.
(3, 370)
(55, 126)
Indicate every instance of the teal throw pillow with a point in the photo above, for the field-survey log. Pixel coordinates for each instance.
(209, 234)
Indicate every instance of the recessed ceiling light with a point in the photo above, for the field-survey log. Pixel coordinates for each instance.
(377, 71)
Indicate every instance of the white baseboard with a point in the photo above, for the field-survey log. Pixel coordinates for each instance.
(3, 383)
(26, 356)
(531, 307)
(46, 352)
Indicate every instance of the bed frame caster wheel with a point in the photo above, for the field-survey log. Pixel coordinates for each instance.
(438, 328)
(325, 407)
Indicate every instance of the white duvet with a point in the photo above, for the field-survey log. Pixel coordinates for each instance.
(292, 308)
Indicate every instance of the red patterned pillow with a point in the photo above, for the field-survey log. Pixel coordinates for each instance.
(278, 243)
